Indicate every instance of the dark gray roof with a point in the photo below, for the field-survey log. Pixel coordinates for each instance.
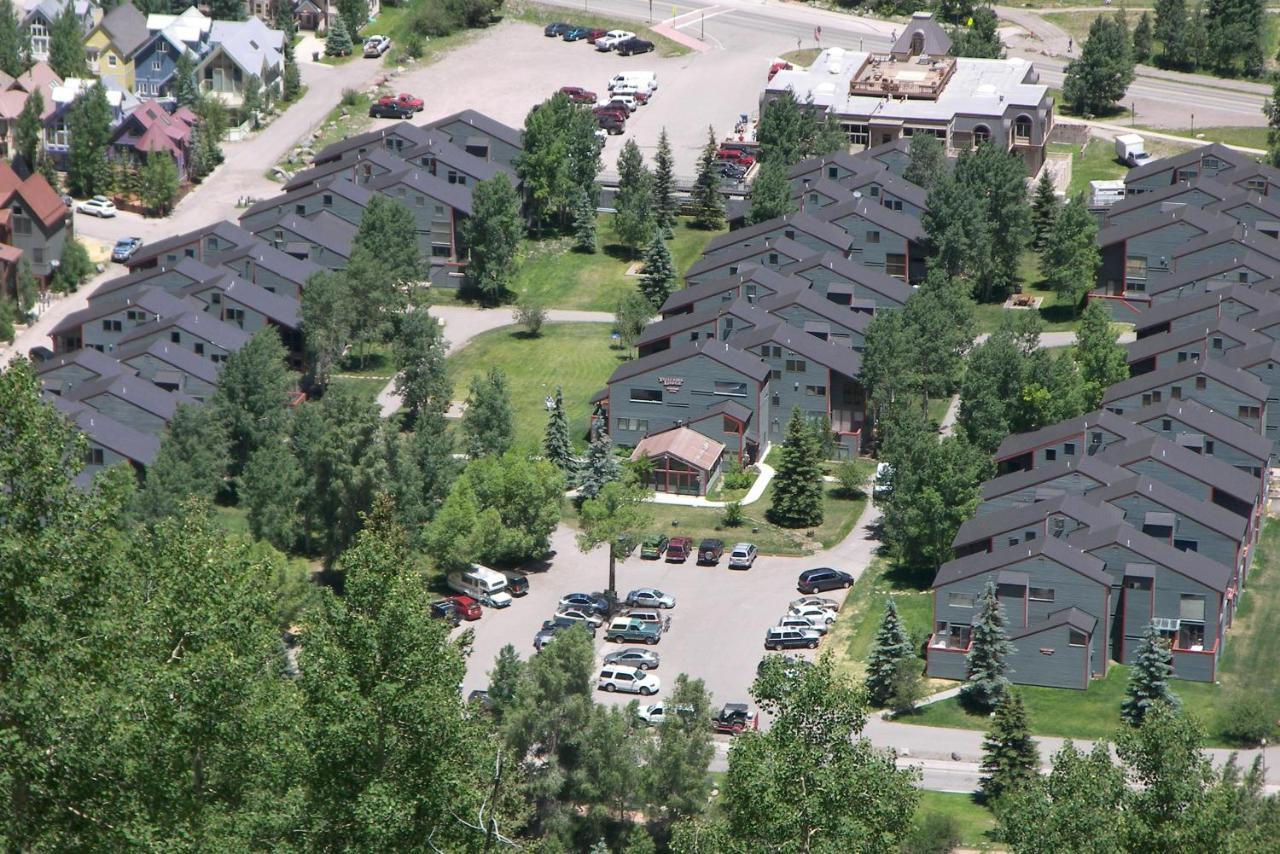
(197, 323)
(1206, 221)
(871, 210)
(1208, 470)
(819, 305)
(1190, 274)
(899, 145)
(752, 273)
(225, 230)
(1179, 503)
(1167, 312)
(1072, 617)
(456, 196)
(934, 39)
(1193, 565)
(283, 264)
(1153, 345)
(843, 360)
(677, 323)
(843, 159)
(143, 394)
(1242, 381)
(744, 363)
(726, 407)
(781, 245)
(799, 221)
(339, 149)
(1236, 233)
(483, 124)
(1253, 355)
(88, 358)
(153, 300)
(438, 146)
(1162, 195)
(171, 354)
(1215, 425)
(280, 309)
(324, 229)
(1091, 467)
(1016, 444)
(1187, 158)
(344, 164)
(895, 290)
(1050, 547)
(1238, 198)
(900, 187)
(103, 430)
(127, 28)
(827, 187)
(188, 267)
(332, 184)
(1081, 508)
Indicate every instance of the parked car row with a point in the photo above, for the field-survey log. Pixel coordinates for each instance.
(400, 106)
(478, 585)
(809, 618)
(623, 42)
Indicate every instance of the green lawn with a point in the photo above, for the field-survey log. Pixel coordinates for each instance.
(1056, 317)
(562, 278)
(1244, 137)
(803, 57)
(576, 356)
(974, 821)
(1252, 645)
(368, 376)
(532, 13)
(854, 630)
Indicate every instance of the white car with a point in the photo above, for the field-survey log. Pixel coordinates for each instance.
(792, 622)
(650, 597)
(829, 604)
(376, 46)
(627, 101)
(615, 677)
(611, 38)
(813, 613)
(582, 615)
(99, 206)
(655, 714)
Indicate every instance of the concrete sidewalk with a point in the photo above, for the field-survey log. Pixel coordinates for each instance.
(752, 496)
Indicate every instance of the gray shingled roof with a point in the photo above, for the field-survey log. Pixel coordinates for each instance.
(187, 267)
(784, 247)
(283, 264)
(1167, 312)
(333, 184)
(900, 187)
(1072, 617)
(1242, 381)
(1016, 444)
(1161, 195)
(799, 221)
(744, 363)
(842, 360)
(754, 273)
(153, 300)
(1237, 233)
(1177, 161)
(1206, 221)
(895, 290)
(871, 209)
(223, 229)
(224, 335)
(171, 354)
(437, 145)
(281, 309)
(1091, 467)
(348, 160)
(337, 150)
(1192, 565)
(843, 159)
(324, 229)
(456, 196)
(1081, 508)
(812, 301)
(103, 430)
(1205, 513)
(141, 393)
(483, 124)
(1051, 548)
(1215, 425)
(1153, 345)
(127, 28)
(935, 41)
(678, 323)
(1208, 470)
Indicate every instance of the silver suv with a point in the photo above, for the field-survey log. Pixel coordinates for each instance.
(742, 556)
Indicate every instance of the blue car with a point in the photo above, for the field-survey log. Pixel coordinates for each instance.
(576, 34)
(124, 249)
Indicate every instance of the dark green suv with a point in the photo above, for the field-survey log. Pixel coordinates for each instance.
(654, 546)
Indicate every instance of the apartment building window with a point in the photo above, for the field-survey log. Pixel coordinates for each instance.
(815, 390)
(731, 389)
(155, 64)
(1135, 267)
(646, 395)
(234, 315)
(1208, 446)
(93, 457)
(1249, 412)
(1069, 448)
(162, 47)
(895, 264)
(112, 326)
(21, 225)
(960, 600)
(858, 134)
(1201, 383)
(175, 338)
(873, 237)
(1050, 454)
(1076, 638)
(218, 358)
(1040, 594)
(981, 134)
(638, 424)
(796, 366)
(1191, 607)
(1022, 129)
(775, 399)
(199, 348)
(728, 425)
(1186, 545)
(833, 172)
(439, 210)
(1176, 392)
(327, 200)
(1166, 424)
(1258, 185)
(773, 257)
(215, 298)
(892, 204)
(775, 374)
(300, 210)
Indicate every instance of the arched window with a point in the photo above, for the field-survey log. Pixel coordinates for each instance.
(981, 134)
(1022, 128)
(917, 43)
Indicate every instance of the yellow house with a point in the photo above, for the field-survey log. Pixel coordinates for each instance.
(111, 44)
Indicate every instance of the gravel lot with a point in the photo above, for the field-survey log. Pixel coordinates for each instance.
(513, 67)
(717, 627)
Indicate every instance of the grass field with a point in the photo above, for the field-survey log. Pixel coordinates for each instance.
(854, 630)
(803, 57)
(532, 13)
(1252, 645)
(576, 356)
(1056, 317)
(562, 278)
(974, 821)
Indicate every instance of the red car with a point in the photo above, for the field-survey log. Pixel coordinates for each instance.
(679, 549)
(466, 607)
(734, 155)
(620, 113)
(778, 66)
(595, 34)
(404, 99)
(579, 95)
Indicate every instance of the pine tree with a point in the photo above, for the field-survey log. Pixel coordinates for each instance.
(659, 276)
(1010, 759)
(555, 443)
(1070, 257)
(292, 85)
(890, 647)
(338, 41)
(797, 485)
(1098, 79)
(584, 224)
(770, 193)
(601, 467)
(66, 45)
(30, 130)
(186, 91)
(12, 47)
(1172, 30)
(89, 126)
(664, 185)
(1148, 678)
(928, 161)
(634, 220)
(1142, 38)
(1044, 210)
(487, 422)
(987, 661)
(708, 205)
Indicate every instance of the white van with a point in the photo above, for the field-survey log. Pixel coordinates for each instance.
(639, 79)
(628, 680)
(485, 585)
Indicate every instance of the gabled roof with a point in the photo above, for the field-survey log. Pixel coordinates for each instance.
(747, 364)
(250, 44)
(1208, 470)
(731, 408)
(843, 360)
(1205, 221)
(88, 358)
(1206, 513)
(483, 124)
(1167, 312)
(1215, 425)
(1192, 565)
(834, 190)
(843, 159)
(812, 301)
(437, 145)
(171, 354)
(752, 273)
(39, 76)
(934, 39)
(1252, 355)
(223, 229)
(1099, 472)
(1238, 198)
(126, 27)
(10, 181)
(1162, 195)
(103, 430)
(143, 394)
(1016, 444)
(189, 268)
(1081, 508)
(284, 265)
(798, 221)
(197, 323)
(1152, 345)
(678, 323)
(684, 444)
(41, 200)
(153, 300)
(1236, 232)
(281, 309)
(895, 290)
(343, 147)
(456, 196)
(1071, 617)
(781, 245)
(1187, 158)
(333, 184)
(1051, 548)
(347, 163)
(1186, 275)
(1242, 381)
(890, 182)
(871, 210)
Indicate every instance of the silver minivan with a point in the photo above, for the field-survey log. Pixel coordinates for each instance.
(615, 677)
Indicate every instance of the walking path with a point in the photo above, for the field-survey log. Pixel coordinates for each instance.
(753, 494)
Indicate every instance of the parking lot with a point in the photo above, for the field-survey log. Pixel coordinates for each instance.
(515, 67)
(717, 627)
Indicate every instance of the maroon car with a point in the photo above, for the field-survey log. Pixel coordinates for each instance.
(679, 549)
(578, 95)
(404, 99)
(466, 607)
(595, 34)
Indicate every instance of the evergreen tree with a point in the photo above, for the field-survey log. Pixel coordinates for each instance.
(89, 128)
(664, 186)
(492, 234)
(770, 193)
(1233, 31)
(1172, 32)
(1148, 678)
(601, 467)
(1044, 210)
(27, 288)
(658, 279)
(1142, 36)
(422, 376)
(160, 183)
(555, 443)
(251, 97)
(634, 221)
(891, 646)
(504, 679)
(1102, 359)
(7, 332)
(487, 422)
(797, 485)
(66, 45)
(226, 10)
(13, 47)
(191, 463)
(1010, 759)
(928, 163)
(30, 130)
(981, 39)
(1197, 38)
(584, 223)
(338, 41)
(186, 90)
(1070, 258)
(388, 239)
(252, 397)
(1098, 79)
(291, 85)
(708, 205)
(987, 661)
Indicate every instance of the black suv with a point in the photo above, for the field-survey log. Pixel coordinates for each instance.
(557, 29)
(443, 609)
(709, 551)
(633, 45)
(823, 578)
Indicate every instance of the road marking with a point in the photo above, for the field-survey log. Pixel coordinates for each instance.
(674, 17)
(699, 20)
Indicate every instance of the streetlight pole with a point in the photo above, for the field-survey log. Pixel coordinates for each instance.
(650, 11)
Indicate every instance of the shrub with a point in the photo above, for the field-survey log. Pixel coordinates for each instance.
(413, 46)
(1245, 721)
(531, 314)
(850, 478)
(350, 97)
(934, 833)
(733, 516)
(735, 478)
